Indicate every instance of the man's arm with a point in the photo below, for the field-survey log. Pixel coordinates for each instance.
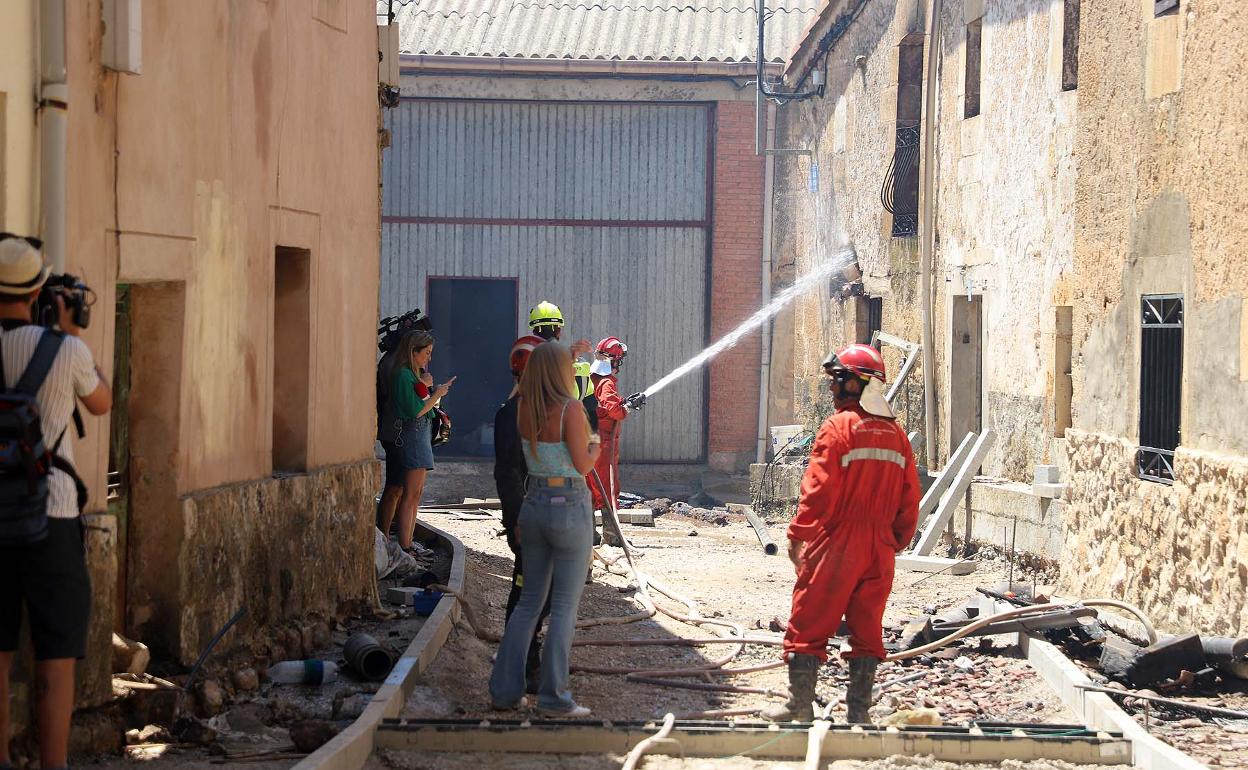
(610, 405)
(908, 516)
(820, 485)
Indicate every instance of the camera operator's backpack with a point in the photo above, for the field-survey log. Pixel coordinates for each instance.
(25, 460)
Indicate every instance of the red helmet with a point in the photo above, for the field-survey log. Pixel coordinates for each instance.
(862, 360)
(520, 352)
(612, 348)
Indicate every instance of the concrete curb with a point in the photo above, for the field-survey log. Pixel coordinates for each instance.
(1098, 710)
(350, 749)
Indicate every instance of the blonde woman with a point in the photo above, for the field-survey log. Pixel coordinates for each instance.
(556, 530)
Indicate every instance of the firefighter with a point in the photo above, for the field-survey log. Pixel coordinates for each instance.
(511, 477)
(859, 507)
(612, 409)
(546, 321)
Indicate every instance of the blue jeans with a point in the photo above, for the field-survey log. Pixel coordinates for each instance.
(556, 537)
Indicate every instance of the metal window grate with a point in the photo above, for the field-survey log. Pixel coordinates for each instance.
(1161, 385)
(899, 195)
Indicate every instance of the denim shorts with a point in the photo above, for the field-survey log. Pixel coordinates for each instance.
(415, 444)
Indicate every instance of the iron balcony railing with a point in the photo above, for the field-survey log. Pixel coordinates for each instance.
(900, 193)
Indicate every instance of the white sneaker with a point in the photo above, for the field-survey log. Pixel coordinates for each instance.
(576, 712)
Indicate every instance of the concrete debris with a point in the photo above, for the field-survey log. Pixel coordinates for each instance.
(245, 680)
(1163, 660)
(308, 735)
(210, 697)
(129, 656)
(148, 734)
(922, 716)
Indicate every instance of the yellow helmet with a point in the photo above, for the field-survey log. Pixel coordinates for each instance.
(545, 314)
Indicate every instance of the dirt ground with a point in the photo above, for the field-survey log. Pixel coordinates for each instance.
(720, 566)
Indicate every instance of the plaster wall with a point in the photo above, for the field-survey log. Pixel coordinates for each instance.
(252, 126)
(19, 81)
(1159, 209)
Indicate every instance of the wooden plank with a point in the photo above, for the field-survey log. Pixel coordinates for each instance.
(757, 740)
(942, 481)
(961, 482)
(916, 563)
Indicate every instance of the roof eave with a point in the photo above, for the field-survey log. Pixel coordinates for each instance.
(526, 66)
(808, 39)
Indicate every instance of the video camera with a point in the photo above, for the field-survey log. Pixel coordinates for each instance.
(78, 298)
(392, 329)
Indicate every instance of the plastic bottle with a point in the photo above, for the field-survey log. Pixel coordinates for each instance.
(315, 672)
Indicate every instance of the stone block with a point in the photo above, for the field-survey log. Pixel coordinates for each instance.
(1046, 474)
(402, 594)
(1163, 63)
(1048, 491)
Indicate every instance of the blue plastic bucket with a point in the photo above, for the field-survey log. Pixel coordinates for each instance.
(424, 602)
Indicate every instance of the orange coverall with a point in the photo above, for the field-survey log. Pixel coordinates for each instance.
(611, 413)
(859, 507)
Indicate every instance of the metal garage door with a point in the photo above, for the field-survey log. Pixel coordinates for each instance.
(601, 208)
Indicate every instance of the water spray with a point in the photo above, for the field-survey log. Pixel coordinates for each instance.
(839, 260)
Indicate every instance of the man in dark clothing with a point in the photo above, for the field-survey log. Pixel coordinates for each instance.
(510, 476)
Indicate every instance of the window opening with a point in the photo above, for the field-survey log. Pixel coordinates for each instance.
(1161, 385)
(974, 37)
(1070, 46)
(1163, 7)
(292, 352)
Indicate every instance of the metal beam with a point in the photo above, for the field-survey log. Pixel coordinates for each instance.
(961, 482)
(910, 351)
(983, 743)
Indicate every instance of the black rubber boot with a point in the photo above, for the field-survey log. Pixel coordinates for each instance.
(803, 673)
(858, 694)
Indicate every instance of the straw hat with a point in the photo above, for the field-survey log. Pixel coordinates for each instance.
(21, 265)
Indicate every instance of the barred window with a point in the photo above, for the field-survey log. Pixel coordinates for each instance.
(1161, 385)
(900, 192)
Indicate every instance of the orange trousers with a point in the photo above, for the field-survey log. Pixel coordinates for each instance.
(846, 573)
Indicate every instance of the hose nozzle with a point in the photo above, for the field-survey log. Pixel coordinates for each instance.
(635, 402)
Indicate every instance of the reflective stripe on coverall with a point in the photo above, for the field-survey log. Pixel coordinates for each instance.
(859, 507)
(611, 413)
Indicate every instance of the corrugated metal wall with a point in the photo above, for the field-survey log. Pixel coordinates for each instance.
(500, 189)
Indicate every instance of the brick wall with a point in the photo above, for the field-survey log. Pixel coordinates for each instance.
(736, 243)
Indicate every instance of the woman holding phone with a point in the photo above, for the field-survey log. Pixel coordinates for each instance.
(414, 396)
(556, 529)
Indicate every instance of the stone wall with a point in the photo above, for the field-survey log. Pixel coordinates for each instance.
(1159, 209)
(285, 548)
(1180, 552)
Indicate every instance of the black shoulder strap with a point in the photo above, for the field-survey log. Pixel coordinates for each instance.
(40, 363)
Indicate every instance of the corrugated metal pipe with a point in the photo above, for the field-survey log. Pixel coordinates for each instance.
(53, 119)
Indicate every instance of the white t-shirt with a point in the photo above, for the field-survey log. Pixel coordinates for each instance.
(72, 375)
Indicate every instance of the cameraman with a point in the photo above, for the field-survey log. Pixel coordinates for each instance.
(49, 576)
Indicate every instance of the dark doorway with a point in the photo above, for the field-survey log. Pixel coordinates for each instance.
(292, 350)
(119, 447)
(966, 368)
(474, 321)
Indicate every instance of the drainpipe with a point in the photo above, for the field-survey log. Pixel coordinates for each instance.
(764, 387)
(53, 119)
(927, 224)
